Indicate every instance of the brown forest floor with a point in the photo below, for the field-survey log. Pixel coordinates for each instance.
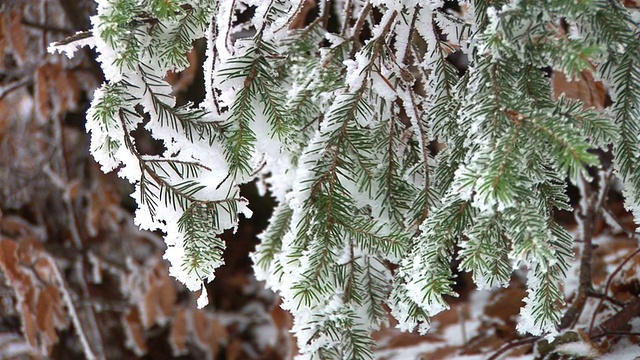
(77, 277)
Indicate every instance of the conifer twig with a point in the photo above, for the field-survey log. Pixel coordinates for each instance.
(73, 38)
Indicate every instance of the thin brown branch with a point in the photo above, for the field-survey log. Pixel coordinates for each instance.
(90, 312)
(357, 28)
(324, 18)
(73, 38)
(407, 50)
(619, 320)
(608, 284)
(66, 296)
(347, 17)
(616, 333)
(512, 345)
(90, 316)
(629, 232)
(297, 18)
(604, 297)
(588, 216)
(12, 86)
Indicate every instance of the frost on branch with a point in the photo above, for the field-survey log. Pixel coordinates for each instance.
(388, 159)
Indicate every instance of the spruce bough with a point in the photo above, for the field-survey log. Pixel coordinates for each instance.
(381, 153)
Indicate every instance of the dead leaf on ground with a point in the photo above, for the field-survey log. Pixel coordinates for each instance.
(592, 93)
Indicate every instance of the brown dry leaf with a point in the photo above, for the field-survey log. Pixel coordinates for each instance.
(10, 267)
(134, 333)
(103, 208)
(178, 333)
(65, 88)
(47, 315)
(28, 325)
(234, 350)
(208, 333)
(4, 108)
(93, 216)
(180, 81)
(283, 321)
(452, 316)
(73, 189)
(592, 93)
(29, 250)
(441, 353)
(167, 294)
(499, 322)
(45, 270)
(396, 339)
(150, 306)
(614, 251)
(491, 342)
(56, 90)
(14, 226)
(217, 334)
(41, 91)
(16, 34)
(626, 283)
(3, 43)
(632, 3)
(42, 311)
(199, 327)
(504, 306)
(159, 297)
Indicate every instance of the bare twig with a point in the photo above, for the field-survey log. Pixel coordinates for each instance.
(347, 17)
(407, 50)
(88, 350)
(616, 322)
(608, 284)
(618, 223)
(616, 333)
(357, 28)
(588, 216)
(73, 38)
(294, 22)
(5, 90)
(324, 18)
(90, 312)
(604, 297)
(77, 239)
(511, 345)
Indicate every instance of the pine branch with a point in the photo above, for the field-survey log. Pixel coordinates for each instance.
(200, 224)
(271, 243)
(183, 119)
(376, 147)
(485, 254)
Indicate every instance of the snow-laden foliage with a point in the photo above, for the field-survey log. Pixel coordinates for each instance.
(388, 162)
